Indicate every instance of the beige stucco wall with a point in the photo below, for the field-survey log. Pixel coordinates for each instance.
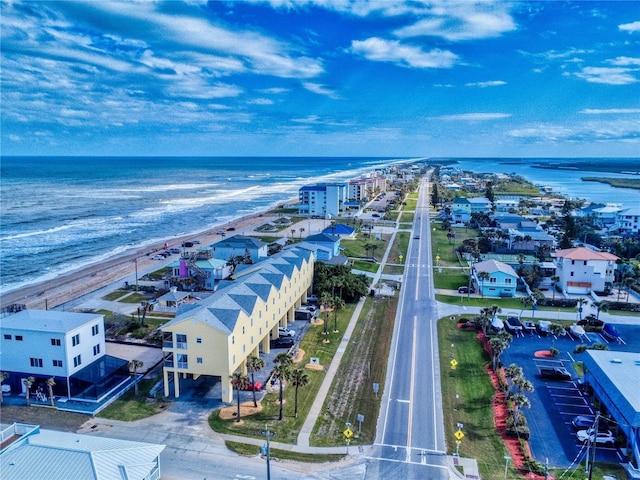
(220, 353)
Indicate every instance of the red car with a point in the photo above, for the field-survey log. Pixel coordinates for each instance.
(253, 386)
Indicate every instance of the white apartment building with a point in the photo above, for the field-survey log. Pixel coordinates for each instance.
(628, 220)
(322, 200)
(70, 347)
(583, 271)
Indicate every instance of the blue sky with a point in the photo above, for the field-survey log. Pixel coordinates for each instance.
(330, 77)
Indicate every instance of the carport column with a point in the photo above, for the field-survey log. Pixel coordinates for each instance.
(266, 345)
(176, 383)
(227, 393)
(165, 376)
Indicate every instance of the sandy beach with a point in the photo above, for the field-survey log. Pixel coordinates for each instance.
(62, 289)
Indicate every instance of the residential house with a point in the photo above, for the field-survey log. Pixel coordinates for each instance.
(199, 271)
(30, 452)
(628, 221)
(583, 271)
(240, 246)
(323, 200)
(463, 208)
(216, 335)
(502, 281)
(171, 301)
(68, 346)
(608, 215)
(341, 230)
(331, 244)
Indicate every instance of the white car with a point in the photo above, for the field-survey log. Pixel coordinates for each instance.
(157, 257)
(605, 438)
(286, 332)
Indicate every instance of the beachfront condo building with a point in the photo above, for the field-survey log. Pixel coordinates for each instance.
(324, 200)
(66, 346)
(216, 335)
(583, 271)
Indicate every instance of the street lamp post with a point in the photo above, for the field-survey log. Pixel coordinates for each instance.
(266, 451)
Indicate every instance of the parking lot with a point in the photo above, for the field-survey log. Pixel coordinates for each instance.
(555, 402)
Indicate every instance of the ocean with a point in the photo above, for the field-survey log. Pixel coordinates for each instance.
(60, 214)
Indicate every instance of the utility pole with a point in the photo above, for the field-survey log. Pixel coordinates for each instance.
(594, 445)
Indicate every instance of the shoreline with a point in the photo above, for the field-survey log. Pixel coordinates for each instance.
(52, 293)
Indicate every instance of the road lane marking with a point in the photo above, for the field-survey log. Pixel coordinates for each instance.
(412, 384)
(433, 385)
(401, 401)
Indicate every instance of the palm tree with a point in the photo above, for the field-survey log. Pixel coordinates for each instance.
(519, 401)
(326, 301)
(282, 362)
(240, 382)
(134, 366)
(523, 384)
(580, 302)
(556, 330)
(3, 377)
(254, 364)
(482, 276)
(51, 383)
(628, 282)
(526, 302)
(499, 344)
(512, 372)
(601, 306)
(28, 383)
(298, 378)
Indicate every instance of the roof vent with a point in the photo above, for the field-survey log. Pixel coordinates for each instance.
(616, 360)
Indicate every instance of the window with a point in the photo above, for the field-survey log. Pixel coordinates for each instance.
(57, 363)
(198, 340)
(95, 330)
(19, 338)
(243, 330)
(77, 361)
(55, 342)
(7, 337)
(75, 340)
(181, 340)
(507, 280)
(198, 359)
(183, 360)
(96, 349)
(36, 362)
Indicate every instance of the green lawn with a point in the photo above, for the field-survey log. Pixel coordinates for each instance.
(249, 450)
(129, 407)
(363, 363)
(288, 428)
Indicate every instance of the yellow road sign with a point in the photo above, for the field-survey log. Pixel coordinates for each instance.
(454, 363)
(348, 433)
(459, 435)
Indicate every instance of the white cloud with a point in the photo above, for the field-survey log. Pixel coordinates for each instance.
(625, 61)
(630, 27)
(319, 89)
(608, 111)
(474, 117)
(606, 75)
(597, 130)
(260, 101)
(273, 90)
(460, 21)
(491, 83)
(380, 50)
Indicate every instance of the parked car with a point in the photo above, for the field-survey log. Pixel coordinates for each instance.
(416, 237)
(252, 386)
(282, 342)
(286, 332)
(312, 298)
(174, 250)
(605, 438)
(157, 257)
(582, 422)
(555, 373)
(465, 289)
(187, 244)
(231, 229)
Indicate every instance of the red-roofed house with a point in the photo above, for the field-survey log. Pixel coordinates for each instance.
(583, 271)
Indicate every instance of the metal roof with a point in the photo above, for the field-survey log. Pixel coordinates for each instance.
(48, 320)
(54, 455)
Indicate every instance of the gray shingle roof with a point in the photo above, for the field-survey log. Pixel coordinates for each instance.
(48, 320)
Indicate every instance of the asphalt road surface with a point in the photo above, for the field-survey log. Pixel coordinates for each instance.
(410, 441)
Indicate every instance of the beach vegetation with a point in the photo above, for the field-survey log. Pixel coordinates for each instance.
(616, 182)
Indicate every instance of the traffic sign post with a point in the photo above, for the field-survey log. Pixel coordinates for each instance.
(454, 363)
(459, 436)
